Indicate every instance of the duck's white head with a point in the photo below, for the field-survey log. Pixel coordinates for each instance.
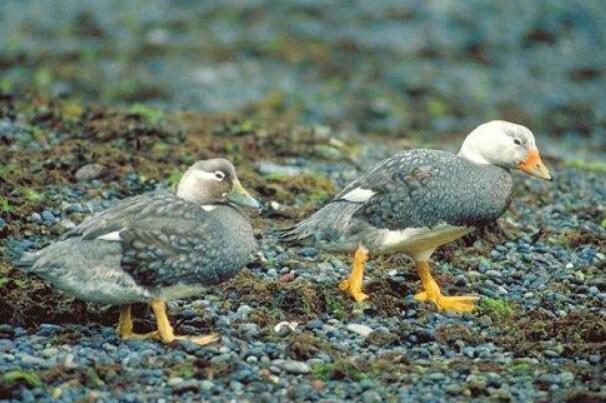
(214, 181)
(507, 145)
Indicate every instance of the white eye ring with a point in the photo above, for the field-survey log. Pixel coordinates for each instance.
(517, 142)
(219, 175)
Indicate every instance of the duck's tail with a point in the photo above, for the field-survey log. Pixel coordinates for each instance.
(19, 258)
(324, 226)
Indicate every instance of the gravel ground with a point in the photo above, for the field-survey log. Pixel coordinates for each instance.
(286, 332)
(381, 76)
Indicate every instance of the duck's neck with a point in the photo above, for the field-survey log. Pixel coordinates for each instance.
(472, 156)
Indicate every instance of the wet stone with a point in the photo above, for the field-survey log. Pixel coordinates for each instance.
(89, 171)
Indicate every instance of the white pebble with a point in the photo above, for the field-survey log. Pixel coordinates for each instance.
(292, 326)
(362, 330)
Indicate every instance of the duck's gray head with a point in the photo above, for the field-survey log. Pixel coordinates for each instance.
(214, 181)
(507, 145)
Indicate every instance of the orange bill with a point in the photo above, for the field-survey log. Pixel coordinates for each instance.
(533, 165)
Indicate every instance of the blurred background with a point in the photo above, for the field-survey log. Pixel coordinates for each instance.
(411, 67)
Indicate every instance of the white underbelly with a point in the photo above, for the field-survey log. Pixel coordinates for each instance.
(419, 243)
(178, 291)
(100, 284)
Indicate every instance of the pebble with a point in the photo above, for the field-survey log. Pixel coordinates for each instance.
(48, 216)
(362, 330)
(308, 252)
(2, 224)
(186, 386)
(284, 328)
(89, 171)
(243, 312)
(293, 367)
(35, 218)
(49, 352)
(268, 168)
(314, 324)
(249, 329)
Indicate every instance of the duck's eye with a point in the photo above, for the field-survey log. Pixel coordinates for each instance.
(219, 175)
(517, 142)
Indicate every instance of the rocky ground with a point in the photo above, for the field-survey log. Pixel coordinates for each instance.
(315, 93)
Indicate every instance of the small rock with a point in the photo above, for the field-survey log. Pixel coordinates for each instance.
(49, 352)
(284, 328)
(67, 224)
(318, 385)
(268, 168)
(186, 386)
(371, 396)
(35, 218)
(243, 312)
(89, 171)
(206, 385)
(308, 252)
(2, 224)
(593, 290)
(294, 367)
(48, 216)
(362, 330)
(31, 360)
(175, 381)
(314, 324)
(288, 277)
(249, 329)
(485, 321)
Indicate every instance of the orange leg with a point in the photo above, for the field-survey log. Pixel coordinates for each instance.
(125, 326)
(125, 323)
(353, 284)
(431, 292)
(165, 330)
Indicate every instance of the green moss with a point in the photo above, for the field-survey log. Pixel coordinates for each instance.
(587, 165)
(31, 195)
(238, 127)
(151, 115)
(496, 308)
(73, 110)
(231, 148)
(335, 307)
(183, 370)
(521, 367)
(6, 85)
(5, 206)
(16, 377)
(43, 78)
(604, 223)
(339, 370)
(436, 107)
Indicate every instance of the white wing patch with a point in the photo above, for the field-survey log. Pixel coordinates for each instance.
(209, 207)
(358, 195)
(111, 236)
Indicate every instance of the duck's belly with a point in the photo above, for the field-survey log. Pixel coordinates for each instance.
(178, 291)
(419, 243)
(99, 284)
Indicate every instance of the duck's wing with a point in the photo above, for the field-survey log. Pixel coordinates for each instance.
(344, 217)
(425, 188)
(133, 210)
(206, 249)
